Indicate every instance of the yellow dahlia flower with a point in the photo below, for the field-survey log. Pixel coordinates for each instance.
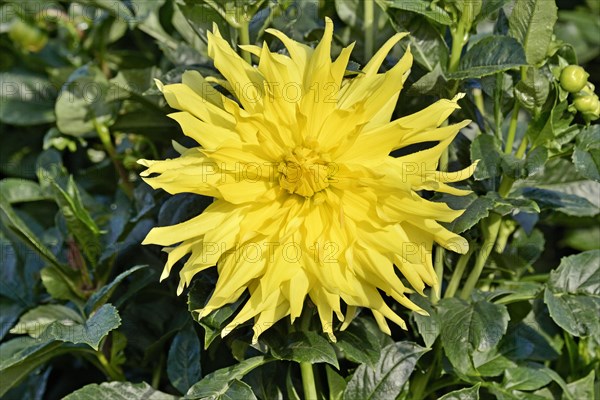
(308, 200)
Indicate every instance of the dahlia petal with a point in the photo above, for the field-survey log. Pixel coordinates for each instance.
(247, 191)
(183, 98)
(299, 52)
(375, 62)
(214, 215)
(268, 318)
(350, 314)
(207, 135)
(195, 81)
(248, 82)
(295, 290)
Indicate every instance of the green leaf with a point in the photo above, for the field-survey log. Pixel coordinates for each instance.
(509, 205)
(582, 239)
(266, 381)
(470, 328)
(80, 223)
(476, 208)
(102, 295)
(533, 338)
(471, 393)
(336, 384)
(183, 362)
(33, 386)
(489, 7)
(566, 203)
(430, 83)
(9, 314)
(532, 23)
(236, 390)
(218, 383)
(214, 322)
(428, 326)
(86, 96)
(561, 188)
(531, 376)
(26, 99)
(359, 344)
(201, 16)
(552, 128)
(486, 149)
(427, 45)
(586, 156)
(500, 393)
(22, 355)
(308, 347)
(532, 91)
(62, 284)
(11, 220)
(91, 332)
(431, 11)
(22, 190)
(34, 322)
(573, 294)
(388, 377)
(523, 251)
(119, 390)
(490, 55)
(582, 388)
(299, 18)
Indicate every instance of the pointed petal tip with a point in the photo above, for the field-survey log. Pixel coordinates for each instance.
(331, 336)
(159, 85)
(164, 275)
(228, 329)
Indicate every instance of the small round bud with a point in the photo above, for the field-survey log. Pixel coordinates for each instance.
(573, 78)
(26, 36)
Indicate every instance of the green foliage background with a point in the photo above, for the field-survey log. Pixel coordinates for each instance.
(82, 314)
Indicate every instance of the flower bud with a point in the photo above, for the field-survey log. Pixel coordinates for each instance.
(573, 78)
(588, 106)
(26, 36)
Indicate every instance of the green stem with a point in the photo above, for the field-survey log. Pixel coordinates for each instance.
(478, 96)
(439, 253)
(157, 373)
(498, 105)
(494, 223)
(243, 33)
(308, 381)
(112, 373)
(306, 368)
(244, 40)
(368, 27)
(419, 384)
(458, 42)
(522, 148)
(490, 233)
(461, 265)
(505, 186)
(105, 138)
(512, 130)
(439, 272)
(79, 263)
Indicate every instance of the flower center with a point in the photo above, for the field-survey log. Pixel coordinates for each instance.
(304, 171)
